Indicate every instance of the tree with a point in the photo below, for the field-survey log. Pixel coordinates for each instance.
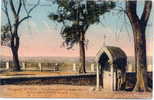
(139, 28)
(77, 16)
(10, 37)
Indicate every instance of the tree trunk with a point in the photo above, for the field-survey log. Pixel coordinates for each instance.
(139, 28)
(16, 65)
(82, 54)
(140, 56)
(14, 49)
(11, 10)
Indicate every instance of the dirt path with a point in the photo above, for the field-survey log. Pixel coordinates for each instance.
(67, 91)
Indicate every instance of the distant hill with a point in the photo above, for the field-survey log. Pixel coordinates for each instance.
(63, 59)
(131, 60)
(47, 59)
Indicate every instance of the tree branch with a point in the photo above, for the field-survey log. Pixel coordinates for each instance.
(13, 8)
(31, 9)
(24, 5)
(131, 11)
(23, 19)
(146, 11)
(19, 8)
(38, 2)
(28, 11)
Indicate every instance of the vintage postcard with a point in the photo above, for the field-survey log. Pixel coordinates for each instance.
(76, 49)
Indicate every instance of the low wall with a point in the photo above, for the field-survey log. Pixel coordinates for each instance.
(47, 66)
(70, 80)
(85, 79)
(63, 67)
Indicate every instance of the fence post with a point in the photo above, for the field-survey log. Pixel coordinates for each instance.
(7, 65)
(23, 66)
(40, 67)
(97, 77)
(149, 68)
(92, 67)
(130, 68)
(56, 67)
(74, 67)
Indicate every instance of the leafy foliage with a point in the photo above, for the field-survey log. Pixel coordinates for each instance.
(5, 35)
(80, 14)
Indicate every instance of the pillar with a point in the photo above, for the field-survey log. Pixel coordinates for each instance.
(149, 68)
(23, 66)
(97, 77)
(130, 68)
(113, 76)
(92, 67)
(7, 65)
(56, 67)
(40, 67)
(74, 67)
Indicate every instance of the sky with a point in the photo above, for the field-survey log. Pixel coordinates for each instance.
(40, 36)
